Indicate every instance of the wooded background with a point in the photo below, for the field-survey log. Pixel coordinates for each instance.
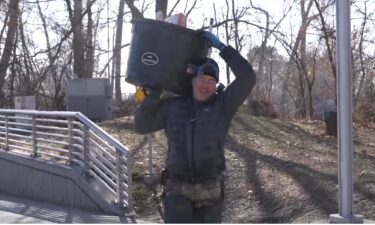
(43, 43)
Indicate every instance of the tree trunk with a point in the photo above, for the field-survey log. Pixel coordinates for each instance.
(295, 57)
(116, 69)
(12, 75)
(357, 93)
(31, 75)
(270, 75)
(161, 5)
(327, 37)
(310, 85)
(117, 53)
(57, 103)
(260, 90)
(302, 57)
(89, 42)
(136, 14)
(235, 23)
(78, 41)
(4, 26)
(8, 46)
(227, 37)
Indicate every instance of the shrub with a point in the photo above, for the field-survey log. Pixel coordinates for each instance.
(364, 113)
(261, 108)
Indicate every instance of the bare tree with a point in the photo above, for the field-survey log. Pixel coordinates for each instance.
(227, 33)
(359, 79)
(227, 37)
(136, 13)
(31, 74)
(264, 57)
(89, 47)
(328, 35)
(117, 53)
(231, 17)
(8, 46)
(237, 41)
(188, 11)
(310, 84)
(265, 39)
(301, 58)
(297, 52)
(162, 5)
(57, 100)
(13, 74)
(296, 81)
(4, 26)
(78, 40)
(83, 49)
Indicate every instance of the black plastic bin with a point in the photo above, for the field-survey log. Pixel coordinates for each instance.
(159, 55)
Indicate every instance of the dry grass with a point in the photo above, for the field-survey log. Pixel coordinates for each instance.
(277, 171)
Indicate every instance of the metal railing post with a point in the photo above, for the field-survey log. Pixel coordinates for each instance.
(34, 139)
(86, 164)
(91, 137)
(150, 163)
(129, 181)
(119, 179)
(6, 133)
(70, 141)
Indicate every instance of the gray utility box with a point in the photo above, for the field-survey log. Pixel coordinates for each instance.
(92, 97)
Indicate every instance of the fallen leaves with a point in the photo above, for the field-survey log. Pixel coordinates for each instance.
(272, 163)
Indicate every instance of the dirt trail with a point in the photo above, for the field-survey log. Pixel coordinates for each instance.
(277, 172)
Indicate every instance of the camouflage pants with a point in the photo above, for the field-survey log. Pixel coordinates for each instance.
(193, 203)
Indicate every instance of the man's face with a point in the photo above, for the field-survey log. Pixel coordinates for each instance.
(204, 87)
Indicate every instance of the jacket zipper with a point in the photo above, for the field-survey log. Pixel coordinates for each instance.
(192, 166)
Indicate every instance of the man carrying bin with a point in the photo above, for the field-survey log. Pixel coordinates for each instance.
(196, 127)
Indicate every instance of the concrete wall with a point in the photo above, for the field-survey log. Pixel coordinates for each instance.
(44, 181)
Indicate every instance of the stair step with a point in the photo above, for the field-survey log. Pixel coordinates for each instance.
(21, 210)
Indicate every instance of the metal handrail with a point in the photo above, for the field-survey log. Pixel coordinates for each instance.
(78, 143)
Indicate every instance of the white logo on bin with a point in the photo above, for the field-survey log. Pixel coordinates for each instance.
(150, 58)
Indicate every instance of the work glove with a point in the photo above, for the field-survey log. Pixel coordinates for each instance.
(213, 40)
(142, 92)
(220, 88)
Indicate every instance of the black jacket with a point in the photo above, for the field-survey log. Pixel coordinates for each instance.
(196, 131)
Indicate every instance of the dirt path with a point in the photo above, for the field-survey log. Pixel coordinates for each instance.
(282, 172)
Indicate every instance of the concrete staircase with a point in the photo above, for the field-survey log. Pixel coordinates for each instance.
(21, 210)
